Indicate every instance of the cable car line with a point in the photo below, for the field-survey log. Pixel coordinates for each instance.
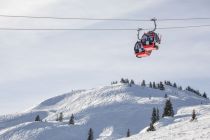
(184, 19)
(183, 27)
(100, 29)
(72, 18)
(67, 29)
(104, 19)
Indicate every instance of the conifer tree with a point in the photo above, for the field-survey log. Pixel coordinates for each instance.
(166, 96)
(154, 85)
(204, 95)
(143, 83)
(71, 121)
(132, 82)
(90, 134)
(193, 115)
(150, 84)
(151, 127)
(169, 83)
(188, 88)
(122, 80)
(37, 118)
(128, 133)
(161, 86)
(174, 85)
(180, 88)
(126, 81)
(60, 118)
(154, 116)
(168, 109)
(198, 93)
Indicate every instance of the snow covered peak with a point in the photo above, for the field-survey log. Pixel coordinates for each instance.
(108, 110)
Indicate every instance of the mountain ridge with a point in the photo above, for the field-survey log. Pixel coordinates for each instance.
(108, 110)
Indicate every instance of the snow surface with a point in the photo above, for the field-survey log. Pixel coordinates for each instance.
(180, 127)
(110, 111)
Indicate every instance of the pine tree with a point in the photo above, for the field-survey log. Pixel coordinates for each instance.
(157, 115)
(161, 86)
(168, 109)
(166, 96)
(158, 86)
(180, 88)
(204, 95)
(126, 81)
(71, 121)
(113, 82)
(151, 127)
(37, 118)
(188, 88)
(90, 134)
(154, 85)
(128, 133)
(154, 116)
(150, 84)
(132, 82)
(165, 82)
(198, 93)
(143, 83)
(174, 85)
(122, 81)
(169, 83)
(60, 118)
(193, 115)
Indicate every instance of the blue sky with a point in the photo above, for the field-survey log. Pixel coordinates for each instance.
(43, 64)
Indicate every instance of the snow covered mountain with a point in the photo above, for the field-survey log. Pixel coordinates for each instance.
(110, 111)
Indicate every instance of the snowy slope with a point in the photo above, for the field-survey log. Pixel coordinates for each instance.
(108, 110)
(180, 127)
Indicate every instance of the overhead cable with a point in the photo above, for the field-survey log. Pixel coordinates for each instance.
(98, 29)
(104, 19)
